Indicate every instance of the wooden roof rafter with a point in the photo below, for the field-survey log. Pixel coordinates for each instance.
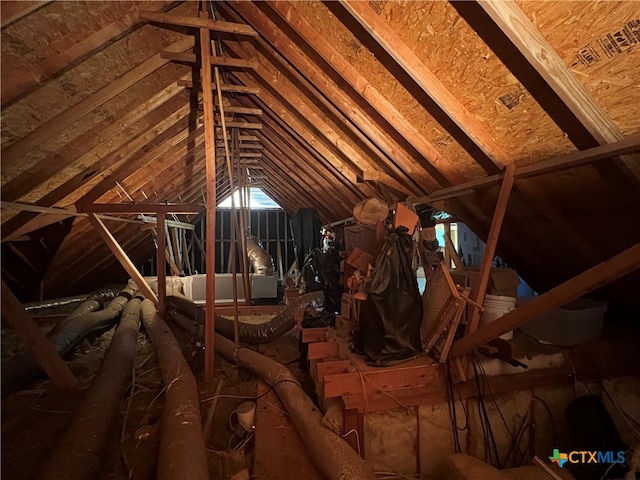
(493, 156)
(334, 132)
(529, 56)
(362, 87)
(330, 94)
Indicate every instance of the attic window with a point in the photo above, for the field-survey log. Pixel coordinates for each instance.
(258, 200)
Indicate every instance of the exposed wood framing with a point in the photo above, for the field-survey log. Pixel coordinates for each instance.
(430, 84)
(14, 315)
(66, 118)
(545, 60)
(141, 208)
(366, 90)
(588, 281)
(122, 257)
(161, 265)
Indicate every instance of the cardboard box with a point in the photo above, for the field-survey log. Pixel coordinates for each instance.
(503, 281)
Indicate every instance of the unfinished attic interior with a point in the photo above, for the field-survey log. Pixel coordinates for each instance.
(305, 239)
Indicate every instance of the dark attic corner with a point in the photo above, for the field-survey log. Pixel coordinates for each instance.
(344, 240)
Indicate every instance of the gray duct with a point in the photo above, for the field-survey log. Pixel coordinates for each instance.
(65, 336)
(261, 261)
(82, 448)
(182, 452)
(101, 295)
(249, 333)
(333, 457)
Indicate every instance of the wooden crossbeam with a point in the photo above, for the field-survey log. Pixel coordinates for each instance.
(242, 110)
(15, 315)
(141, 208)
(555, 164)
(588, 281)
(122, 257)
(320, 350)
(226, 87)
(198, 22)
(250, 154)
(247, 125)
(219, 61)
(352, 383)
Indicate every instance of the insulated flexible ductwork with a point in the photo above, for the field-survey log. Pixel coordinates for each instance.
(333, 457)
(261, 261)
(65, 336)
(83, 446)
(182, 452)
(100, 295)
(249, 333)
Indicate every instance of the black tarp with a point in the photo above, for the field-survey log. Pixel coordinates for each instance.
(305, 228)
(389, 321)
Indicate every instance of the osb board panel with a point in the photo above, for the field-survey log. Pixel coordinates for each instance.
(109, 147)
(600, 43)
(76, 84)
(334, 32)
(468, 68)
(58, 28)
(88, 132)
(72, 264)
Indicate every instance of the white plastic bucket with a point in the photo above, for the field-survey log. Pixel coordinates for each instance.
(494, 307)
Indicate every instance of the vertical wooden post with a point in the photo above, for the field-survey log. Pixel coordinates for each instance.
(161, 265)
(242, 189)
(122, 257)
(210, 158)
(487, 260)
(14, 314)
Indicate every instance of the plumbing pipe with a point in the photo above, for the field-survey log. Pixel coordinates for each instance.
(66, 336)
(182, 452)
(249, 333)
(331, 454)
(83, 446)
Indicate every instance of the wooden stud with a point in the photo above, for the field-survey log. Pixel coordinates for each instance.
(198, 22)
(210, 289)
(14, 315)
(161, 265)
(477, 295)
(122, 257)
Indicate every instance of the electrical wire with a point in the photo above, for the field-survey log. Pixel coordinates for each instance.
(254, 397)
(553, 422)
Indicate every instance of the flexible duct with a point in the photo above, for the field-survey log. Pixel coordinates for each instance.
(261, 261)
(101, 295)
(66, 336)
(182, 452)
(82, 448)
(250, 333)
(333, 457)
